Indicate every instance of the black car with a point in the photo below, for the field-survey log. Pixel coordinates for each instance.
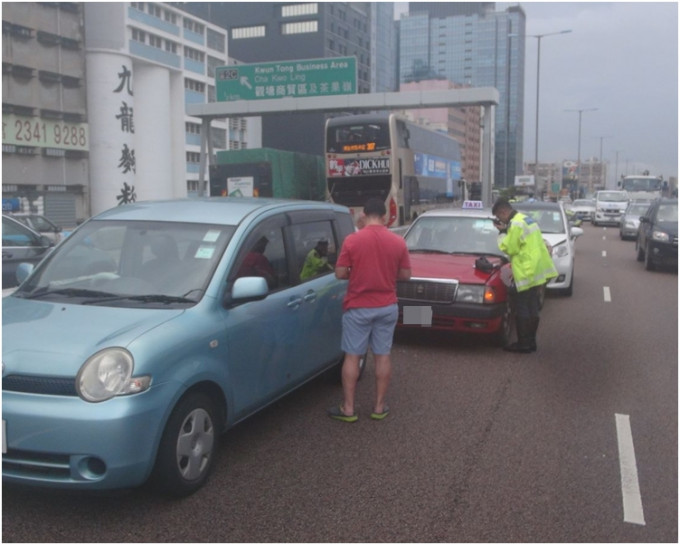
(20, 245)
(657, 242)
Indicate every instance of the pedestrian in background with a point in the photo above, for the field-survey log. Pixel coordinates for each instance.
(372, 259)
(521, 239)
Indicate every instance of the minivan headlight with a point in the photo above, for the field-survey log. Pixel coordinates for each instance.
(107, 374)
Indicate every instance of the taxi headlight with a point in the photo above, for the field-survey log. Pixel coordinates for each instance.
(470, 293)
(661, 236)
(107, 374)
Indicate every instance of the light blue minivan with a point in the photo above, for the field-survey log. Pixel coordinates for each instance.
(156, 326)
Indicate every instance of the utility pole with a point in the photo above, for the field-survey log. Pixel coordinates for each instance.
(578, 161)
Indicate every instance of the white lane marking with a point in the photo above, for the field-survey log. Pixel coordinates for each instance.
(630, 486)
(604, 253)
(604, 237)
(607, 295)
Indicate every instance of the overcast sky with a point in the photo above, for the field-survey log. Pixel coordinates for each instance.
(621, 58)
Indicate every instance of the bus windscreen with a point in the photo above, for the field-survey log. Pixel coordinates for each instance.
(358, 138)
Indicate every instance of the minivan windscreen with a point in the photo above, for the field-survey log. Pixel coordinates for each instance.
(131, 263)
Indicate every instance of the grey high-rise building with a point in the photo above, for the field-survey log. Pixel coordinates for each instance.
(272, 31)
(471, 44)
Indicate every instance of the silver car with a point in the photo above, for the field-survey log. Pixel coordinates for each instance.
(583, 209)
(630, 221)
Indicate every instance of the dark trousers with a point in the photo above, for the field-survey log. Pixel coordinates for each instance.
(527, 303)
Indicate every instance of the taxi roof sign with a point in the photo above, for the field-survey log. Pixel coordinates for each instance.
(473, 204)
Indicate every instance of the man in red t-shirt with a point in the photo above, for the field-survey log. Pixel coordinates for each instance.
(372, 259)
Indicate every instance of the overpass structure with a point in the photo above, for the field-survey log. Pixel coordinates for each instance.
(486, 97)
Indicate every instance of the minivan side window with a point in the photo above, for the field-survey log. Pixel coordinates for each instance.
(315, 248)
(264, 254)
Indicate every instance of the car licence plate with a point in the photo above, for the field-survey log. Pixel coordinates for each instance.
(417, 315)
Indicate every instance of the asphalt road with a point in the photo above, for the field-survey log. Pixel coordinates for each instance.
(575, 443)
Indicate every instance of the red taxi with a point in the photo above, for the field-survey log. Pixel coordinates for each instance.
(457, 274)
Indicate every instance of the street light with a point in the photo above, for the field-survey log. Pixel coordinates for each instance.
(538, 82)
(578, 160)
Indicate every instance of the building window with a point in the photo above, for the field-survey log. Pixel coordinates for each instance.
(153, 9)
(193, 128)
(155, 41)
(294, 10)
(170, 17)
(248, 32)
(213, 64)
(193, 157)
(194, 26)
(194, 54)
(216, 41)
(193, 85)
(170, 47)
(303, 27)
(138, 35)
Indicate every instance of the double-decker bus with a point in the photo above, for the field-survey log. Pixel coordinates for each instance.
(410, 167)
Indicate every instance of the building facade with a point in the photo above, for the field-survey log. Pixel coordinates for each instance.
(462, 124)
(471, 44)
(272, 31)
(97, 94)
(46, 134)
(146, 61)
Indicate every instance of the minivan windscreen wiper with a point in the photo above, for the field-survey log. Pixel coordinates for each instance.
(151, 298)
(67, 292)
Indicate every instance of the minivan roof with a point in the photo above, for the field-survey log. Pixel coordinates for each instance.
(216, 210)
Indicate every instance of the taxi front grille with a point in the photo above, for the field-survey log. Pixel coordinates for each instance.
(427, 290)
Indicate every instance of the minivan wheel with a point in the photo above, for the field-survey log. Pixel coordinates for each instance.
(187, 449)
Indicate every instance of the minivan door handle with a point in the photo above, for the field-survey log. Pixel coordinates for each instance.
(310, 296)
(294, 302)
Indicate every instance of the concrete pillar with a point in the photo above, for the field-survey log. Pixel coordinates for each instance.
(111, 115)
(153, 142)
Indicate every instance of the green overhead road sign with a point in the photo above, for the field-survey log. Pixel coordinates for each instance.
(304, 78)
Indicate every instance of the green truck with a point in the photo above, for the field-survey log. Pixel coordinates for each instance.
(266, 172)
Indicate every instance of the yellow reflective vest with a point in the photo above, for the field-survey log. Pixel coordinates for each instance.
(529, 257)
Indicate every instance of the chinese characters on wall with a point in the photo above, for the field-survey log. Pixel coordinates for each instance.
(126, 125)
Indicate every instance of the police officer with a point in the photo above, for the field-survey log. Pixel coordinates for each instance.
(521, 239)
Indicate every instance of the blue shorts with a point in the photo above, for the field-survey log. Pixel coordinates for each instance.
(362, 327)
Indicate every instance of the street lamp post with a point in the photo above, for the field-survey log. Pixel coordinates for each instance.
(578, 160)
(538, 83)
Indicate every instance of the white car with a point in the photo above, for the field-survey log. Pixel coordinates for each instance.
(610, 206)
(583, 209)
(42, 225)
(556, 231)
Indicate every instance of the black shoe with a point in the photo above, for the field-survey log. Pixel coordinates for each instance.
(520, 347)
